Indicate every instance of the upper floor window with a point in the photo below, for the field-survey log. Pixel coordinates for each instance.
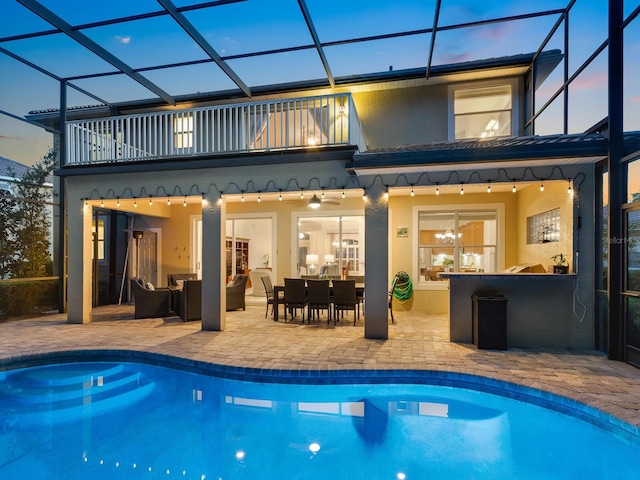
(483, 112)
(183, 130)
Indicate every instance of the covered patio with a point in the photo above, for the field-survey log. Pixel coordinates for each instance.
(416, 342)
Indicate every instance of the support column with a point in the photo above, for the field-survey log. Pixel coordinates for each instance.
(617, 185)
(376, 250)
(80, 242)
(214, 301)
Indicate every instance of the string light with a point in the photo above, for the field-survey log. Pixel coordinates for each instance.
(259, 199)
(301, 194)
(323, 193)
(117, 201)
(489, 188)
(461, 190)
(86, 203)
(184, 202)
(102, 202)
(514, 188)
(364, 195)
(150, 201)
(280, 196)
(242, 198)
(343, 193)
(437, 190)
(569, 189)
(168, 200)
(412, 194)
(542, 185)
(386, 193)
(135, 203)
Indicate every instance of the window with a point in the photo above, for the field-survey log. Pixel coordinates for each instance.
(183, 131)
(482, 112)
(328, 244)
(459, 241)
(544, 227)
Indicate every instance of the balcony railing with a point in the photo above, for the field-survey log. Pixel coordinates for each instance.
(297, 123)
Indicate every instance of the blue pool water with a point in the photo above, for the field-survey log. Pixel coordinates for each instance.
(109, 420)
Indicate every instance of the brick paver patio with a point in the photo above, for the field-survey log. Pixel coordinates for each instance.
(418, 341)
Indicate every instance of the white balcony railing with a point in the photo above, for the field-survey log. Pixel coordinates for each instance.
(248, 127)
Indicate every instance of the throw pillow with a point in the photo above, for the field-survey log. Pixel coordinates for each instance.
(150, 286)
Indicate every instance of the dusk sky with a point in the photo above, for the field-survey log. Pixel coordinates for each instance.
(252, 26)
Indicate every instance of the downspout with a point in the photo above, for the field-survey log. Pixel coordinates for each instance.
(62, 217)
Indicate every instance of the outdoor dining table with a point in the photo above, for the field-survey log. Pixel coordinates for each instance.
(277, 300)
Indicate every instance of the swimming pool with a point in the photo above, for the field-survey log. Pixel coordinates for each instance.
(130, 420)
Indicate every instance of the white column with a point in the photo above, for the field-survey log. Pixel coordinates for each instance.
(376, 248)
(214, 300)
(79, 242)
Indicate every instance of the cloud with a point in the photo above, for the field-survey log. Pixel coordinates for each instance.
(123, 39)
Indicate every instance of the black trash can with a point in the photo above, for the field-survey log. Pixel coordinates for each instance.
(490, 322)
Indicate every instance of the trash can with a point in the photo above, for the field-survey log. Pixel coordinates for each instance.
(490, 322)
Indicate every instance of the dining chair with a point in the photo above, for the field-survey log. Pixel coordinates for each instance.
(269, 291)
(295, 296)
(344, 298)
(319, 297)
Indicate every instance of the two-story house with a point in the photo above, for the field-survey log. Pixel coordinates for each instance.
(436, 172)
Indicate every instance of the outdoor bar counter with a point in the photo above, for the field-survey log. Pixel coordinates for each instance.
(539, 306)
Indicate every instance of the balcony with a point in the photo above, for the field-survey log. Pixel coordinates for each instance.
(298, 123)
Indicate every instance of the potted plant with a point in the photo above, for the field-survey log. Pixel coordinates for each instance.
(561, 263)
(447, 263)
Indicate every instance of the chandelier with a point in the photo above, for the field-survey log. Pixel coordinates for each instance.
(447, 237)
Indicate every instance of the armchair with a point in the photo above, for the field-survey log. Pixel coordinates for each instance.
(236, 292)
(190, 300)
(150, 303)
(172, 278)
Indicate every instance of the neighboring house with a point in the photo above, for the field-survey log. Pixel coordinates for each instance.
(409, 173)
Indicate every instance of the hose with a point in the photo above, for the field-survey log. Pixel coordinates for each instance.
(404, 287)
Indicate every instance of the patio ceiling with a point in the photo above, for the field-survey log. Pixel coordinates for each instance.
(121, 51)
